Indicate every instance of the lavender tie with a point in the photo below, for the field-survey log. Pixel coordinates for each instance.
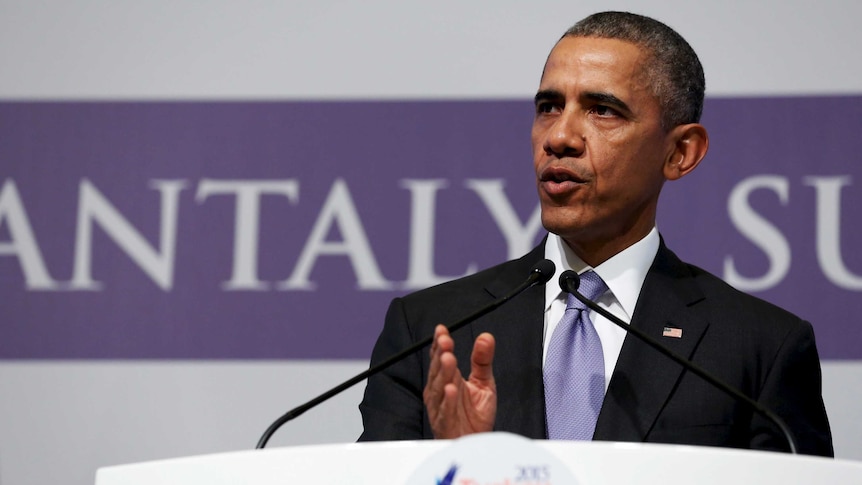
(575, 369)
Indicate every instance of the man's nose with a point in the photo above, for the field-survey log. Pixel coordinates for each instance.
(566, 136)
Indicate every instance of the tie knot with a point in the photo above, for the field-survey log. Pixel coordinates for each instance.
(592, 286)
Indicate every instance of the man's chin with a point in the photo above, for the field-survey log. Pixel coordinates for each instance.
(560, 223)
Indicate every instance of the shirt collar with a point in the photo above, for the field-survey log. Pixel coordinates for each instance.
(624, 273)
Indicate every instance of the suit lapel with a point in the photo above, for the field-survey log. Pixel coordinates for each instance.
(643, 379)
(518, 328)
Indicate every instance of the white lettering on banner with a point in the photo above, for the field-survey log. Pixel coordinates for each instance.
(247, 223)
(420, 267)
(339, 210)
(22, 241)
(828, 218)
(773, 243)
(519, 237)
(339, 214)
(93, 207)
(760, 231)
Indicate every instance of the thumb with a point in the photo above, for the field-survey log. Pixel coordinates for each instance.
(481, 370)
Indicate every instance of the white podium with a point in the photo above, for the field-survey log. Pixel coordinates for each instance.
(591, 463)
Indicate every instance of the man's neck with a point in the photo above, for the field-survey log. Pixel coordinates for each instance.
(595, 253)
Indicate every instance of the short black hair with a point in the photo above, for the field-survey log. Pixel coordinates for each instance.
(674, 71)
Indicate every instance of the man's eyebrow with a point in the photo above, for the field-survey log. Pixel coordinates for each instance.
(547, 95)
(595, 96)
(609, 99)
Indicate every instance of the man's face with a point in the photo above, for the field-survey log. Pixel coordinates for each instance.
(598, 146)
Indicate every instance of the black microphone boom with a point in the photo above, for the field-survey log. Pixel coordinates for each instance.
(540, 273)
(570, 281)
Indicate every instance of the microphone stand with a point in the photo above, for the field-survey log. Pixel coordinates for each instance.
(540, 273)
(570, 281)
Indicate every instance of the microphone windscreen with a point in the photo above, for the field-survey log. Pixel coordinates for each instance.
(570, 281)
(545, 269)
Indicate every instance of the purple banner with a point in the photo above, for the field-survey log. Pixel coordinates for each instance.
(281, 230)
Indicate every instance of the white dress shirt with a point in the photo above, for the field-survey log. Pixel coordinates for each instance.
(624, 274)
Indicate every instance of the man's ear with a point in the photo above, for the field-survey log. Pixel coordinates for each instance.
(690, 143)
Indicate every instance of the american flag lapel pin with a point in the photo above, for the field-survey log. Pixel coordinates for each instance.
(672, 332)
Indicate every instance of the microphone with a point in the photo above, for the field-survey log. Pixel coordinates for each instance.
(540, 274)
(569, 283)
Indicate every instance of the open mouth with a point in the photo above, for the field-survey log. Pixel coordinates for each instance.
(559, 182)
(559, 175)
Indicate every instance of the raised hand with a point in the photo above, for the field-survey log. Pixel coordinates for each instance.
(457, 407)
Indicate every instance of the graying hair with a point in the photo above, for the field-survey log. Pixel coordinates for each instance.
(673, 71)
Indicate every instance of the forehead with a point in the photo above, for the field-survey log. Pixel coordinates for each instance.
(597, 63)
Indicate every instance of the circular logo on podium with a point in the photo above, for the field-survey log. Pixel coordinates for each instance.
(492, 459)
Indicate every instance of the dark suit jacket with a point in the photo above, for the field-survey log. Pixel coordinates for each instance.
(762, 350)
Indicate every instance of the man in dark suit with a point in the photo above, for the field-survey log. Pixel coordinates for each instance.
(617, 115)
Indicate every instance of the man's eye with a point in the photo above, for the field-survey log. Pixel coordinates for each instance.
(545, 108)
(605, 111)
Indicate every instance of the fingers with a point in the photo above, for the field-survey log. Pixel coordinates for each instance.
(444, 378)
(457, 407)
(442, 390)
(447, 412)
(443, 365)
(441, 343)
